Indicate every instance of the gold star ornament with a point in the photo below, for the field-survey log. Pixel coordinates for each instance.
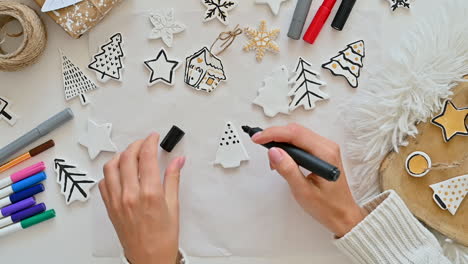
(261, 40)
(452, 121)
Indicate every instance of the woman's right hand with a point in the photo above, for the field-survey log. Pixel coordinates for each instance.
(330, 203)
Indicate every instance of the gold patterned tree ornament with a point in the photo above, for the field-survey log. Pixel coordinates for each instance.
(262, 40)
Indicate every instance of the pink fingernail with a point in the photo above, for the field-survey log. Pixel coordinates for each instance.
(181, 162)
(256, 136)
(276, 156)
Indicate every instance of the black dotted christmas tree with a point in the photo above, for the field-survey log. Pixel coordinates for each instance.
(75, 82)
(108, 63)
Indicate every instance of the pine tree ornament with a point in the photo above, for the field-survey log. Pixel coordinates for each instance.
(449, 194)
(231, 151)
(75, 82)
(273, 96)
(108, 63)
(306, 89)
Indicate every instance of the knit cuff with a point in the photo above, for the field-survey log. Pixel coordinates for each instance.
(181, 258)
(390, 234)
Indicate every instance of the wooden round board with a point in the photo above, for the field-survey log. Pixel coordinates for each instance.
(416, 191)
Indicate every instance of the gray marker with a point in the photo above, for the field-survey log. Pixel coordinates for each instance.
(33, 135)
(299, 19)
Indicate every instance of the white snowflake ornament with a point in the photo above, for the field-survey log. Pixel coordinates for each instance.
(165, 26)
(394, 4)
(218, 9)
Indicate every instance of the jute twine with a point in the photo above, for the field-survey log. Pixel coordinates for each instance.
(34, 36)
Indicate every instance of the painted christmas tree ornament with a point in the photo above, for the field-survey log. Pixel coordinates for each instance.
(108, 63)
(274, 5)
(418, 164)
(261, 40)
(306, 89)
(5, 113)
(348, 62)
(273, 95)
(165, 26)
(162, 69)
(75, 82)
(75, 185)
(452, 121)
(204, 71)
(51, 5)
(449, 194)
(218, 9)
(231, 151)
(98, 139)
(394, 4)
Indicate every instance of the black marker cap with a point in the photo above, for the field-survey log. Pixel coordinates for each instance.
(342, 14)
(172, 138)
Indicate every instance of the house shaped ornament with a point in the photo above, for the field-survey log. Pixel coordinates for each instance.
(204, 71)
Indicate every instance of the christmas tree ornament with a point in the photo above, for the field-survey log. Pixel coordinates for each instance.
(51, 5)
(218, 9)
(452, 121)
(108, 63)
(394, 4)
(75, 185)
(348, 63)
(231, 151)
(5, 112)
(97, 139)
(306, 89)
(274, 5)
(273, 96)
(165, 26)
(162, 69)
(75, 82)
(418, 164)
(261, 40)
(449, 194)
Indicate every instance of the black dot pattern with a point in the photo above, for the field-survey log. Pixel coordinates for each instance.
(230, 136)
(109, 61)
(74, 81)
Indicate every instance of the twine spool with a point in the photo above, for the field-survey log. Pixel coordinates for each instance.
(34, 36)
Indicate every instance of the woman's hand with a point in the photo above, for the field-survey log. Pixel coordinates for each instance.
(143, 210)
(331, 203)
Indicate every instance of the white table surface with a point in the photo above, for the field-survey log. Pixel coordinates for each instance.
(37, 93)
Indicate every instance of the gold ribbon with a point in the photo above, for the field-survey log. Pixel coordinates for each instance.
(228, 37)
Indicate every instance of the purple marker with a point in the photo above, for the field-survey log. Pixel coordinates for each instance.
(21, 215)
(16, 207)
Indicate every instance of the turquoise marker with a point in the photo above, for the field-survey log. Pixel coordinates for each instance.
(37, 219)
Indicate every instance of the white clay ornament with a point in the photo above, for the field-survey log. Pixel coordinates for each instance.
(98, 139)
(306, 89)
(274, 5)
(394, 4)
(262, 40)
(204, 71)
(273, 95)
(108, 63)
(74, 184)
(418, 164)
(75, 82)
(452, 121)
(51, 5)
(218, 9)
(165, 26)
(231, 151)
(162, 69)
(449, 194)
(5, 112)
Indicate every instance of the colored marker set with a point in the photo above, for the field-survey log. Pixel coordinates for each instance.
(18, 205)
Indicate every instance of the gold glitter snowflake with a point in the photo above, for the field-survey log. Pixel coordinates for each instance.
(262, 40)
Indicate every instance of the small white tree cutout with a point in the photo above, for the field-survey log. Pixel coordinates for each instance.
(231, 151)
(108, 63)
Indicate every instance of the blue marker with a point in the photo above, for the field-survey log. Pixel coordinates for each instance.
(16, 197)
(21, 185)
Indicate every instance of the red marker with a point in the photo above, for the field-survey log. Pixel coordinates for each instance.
(318, 21)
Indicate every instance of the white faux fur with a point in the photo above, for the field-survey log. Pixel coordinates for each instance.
(408, 88)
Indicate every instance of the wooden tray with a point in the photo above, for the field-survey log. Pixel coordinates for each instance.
(415, 191)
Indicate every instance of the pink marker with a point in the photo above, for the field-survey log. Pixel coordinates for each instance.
(22, 174)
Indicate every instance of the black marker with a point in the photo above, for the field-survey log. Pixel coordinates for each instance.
(302, 158)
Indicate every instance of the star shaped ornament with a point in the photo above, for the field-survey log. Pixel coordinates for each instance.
(275, 5)
(165, 26)
(162, 69)
(97, 139)
(261, 40)
(218, 9)
(452, 120)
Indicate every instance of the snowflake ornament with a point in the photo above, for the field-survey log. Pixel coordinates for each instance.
(165, 26)
(262, 40)
(394, 4)
(218, 9)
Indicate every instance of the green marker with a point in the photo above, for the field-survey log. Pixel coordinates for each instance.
(37, 219)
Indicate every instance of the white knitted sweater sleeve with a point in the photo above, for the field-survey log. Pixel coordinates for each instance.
(390, 234)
